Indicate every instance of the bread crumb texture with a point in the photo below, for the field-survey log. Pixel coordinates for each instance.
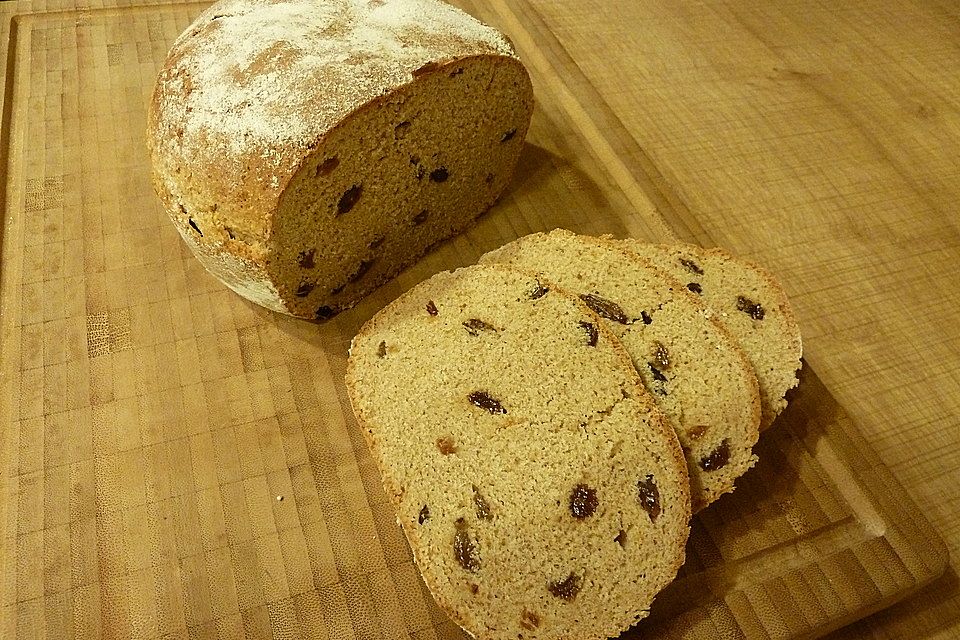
(309, 150)
(747, 300)
(541, 490)
(696, 373)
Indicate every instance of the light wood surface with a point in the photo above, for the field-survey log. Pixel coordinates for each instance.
(180, 463)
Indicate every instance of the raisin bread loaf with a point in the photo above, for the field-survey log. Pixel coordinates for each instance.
(539, 487)
(750, 303)
(698, 376)
(307, 150)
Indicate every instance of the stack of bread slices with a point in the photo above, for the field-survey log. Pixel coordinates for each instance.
(547, 420)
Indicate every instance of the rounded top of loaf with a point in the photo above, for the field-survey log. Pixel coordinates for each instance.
(253, 85)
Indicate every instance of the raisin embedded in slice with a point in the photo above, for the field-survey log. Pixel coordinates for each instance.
(657, 374)
(508, 135)
(660, 356)
(645, 317)
(483, 508)
(529, 620)
(424, 514)
(362, 269)
(349, 199)
(568, 588)
(382, 349)
(463, 548)
(695, 287)
(326, 167)
(716, 459)
(421, 217)
(432, 308)
(604, 308)
(485, 401)
(539, 291)
(648, 495)
(751, 308)
(304, 289)
(691, 266)
(194, 225)
(375, 243)
(439, 174)
(592, 333)
(621, 538)
(583, 501)
(456, 72)
(305, 259)
(475, 325)
(474, 588)
(446, 446)
(324, 313)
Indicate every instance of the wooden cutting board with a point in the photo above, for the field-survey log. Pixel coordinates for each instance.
(179, 463)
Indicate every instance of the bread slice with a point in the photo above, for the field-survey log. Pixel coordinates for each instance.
(698, 377)
(540, 489)
(307, 151)
(750, 303)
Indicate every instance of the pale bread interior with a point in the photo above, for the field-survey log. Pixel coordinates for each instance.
(563, 421)
(696, 374)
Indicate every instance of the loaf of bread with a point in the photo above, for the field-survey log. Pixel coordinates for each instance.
(749, 302)
(697, 375)
(541, 491)
(307, 150)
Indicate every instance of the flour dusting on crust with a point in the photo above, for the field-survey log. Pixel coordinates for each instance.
(252, 70)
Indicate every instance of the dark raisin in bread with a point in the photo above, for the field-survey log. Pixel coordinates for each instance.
(696, 373)
(750, 303)
(540, 489)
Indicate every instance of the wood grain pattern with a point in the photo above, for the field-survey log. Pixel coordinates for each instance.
(179, 463)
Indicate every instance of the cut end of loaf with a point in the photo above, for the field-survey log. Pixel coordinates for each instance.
(408, 170)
